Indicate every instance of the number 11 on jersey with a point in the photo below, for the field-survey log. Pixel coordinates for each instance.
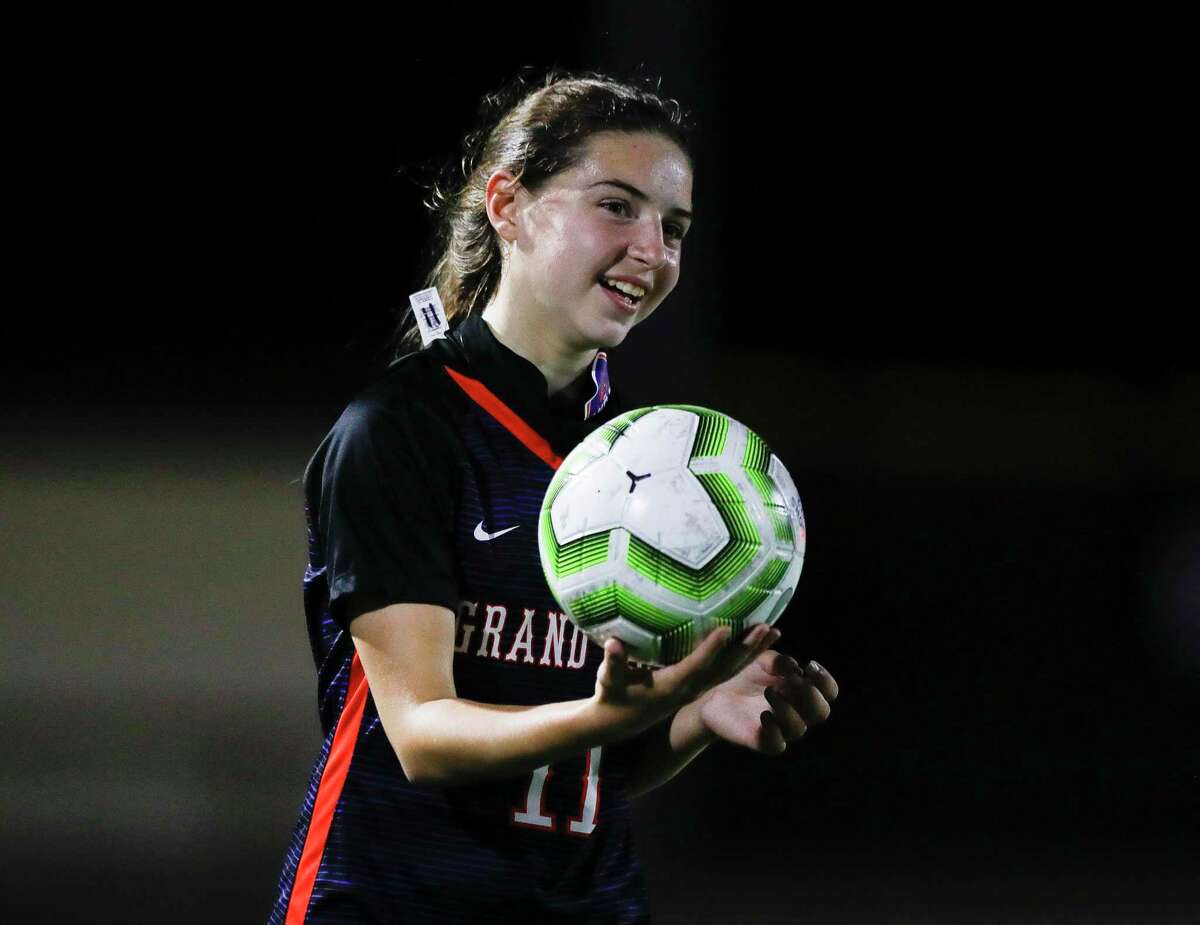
(535, 817)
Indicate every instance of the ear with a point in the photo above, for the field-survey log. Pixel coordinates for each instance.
(501, 200)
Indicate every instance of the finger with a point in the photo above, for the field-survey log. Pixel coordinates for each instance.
(756, 641)
(805, 697)
(614, 669)
(772, 667)
(690, 675)
(711, 649)
(717, 658)
(755, 634)
(789, 721)
(770, 737)
(823, 679)
(780, 665)
(719, 650)
(768, 639)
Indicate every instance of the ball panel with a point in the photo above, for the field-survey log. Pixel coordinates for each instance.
(711, 431)
(662, 596)
(597, 576)
(700, 584)
(614, 429)
(752, 594)
(787, 586)
(774, 505)
(611, 601)
(662, 440)
(677, 643)
(735, 446)
(569, 558)
(756, 455)
(745, 538)
(671, 511)
(772, 606)
(791, 497)
(577, 460)
(591, 501)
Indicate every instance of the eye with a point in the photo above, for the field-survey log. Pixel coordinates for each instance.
(616, 206)
(674, 230)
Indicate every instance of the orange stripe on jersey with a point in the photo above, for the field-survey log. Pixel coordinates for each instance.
(483, 396)
(329, 791)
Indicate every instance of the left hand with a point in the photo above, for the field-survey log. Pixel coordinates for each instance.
(769, 703)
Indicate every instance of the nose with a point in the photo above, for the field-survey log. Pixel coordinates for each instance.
(647, 244)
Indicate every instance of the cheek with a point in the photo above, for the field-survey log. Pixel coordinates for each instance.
(670, 279)
(578, 253)
(665, 290)
(560, 246)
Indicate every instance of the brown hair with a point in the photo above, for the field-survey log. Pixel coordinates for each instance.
(534, 127)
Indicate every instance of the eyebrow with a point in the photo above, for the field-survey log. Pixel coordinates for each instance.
(638, 194)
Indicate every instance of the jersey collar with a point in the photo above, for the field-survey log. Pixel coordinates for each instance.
(521, 383)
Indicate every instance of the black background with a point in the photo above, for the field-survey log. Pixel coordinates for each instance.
(928, 266)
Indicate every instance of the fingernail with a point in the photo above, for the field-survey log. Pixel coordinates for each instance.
(795, 664)
(813, 666)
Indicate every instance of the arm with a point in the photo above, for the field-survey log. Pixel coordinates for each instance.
(664, 750)
(442, 740)
(407, 654)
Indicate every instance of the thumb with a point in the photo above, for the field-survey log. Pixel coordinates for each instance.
(613, 669)
(614, 646)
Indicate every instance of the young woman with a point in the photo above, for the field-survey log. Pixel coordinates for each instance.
(480, 753)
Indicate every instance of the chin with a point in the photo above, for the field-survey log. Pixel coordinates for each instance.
(607, 336)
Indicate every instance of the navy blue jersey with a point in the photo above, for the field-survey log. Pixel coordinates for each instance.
(428, 490)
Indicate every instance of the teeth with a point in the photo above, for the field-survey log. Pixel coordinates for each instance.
(628, 288)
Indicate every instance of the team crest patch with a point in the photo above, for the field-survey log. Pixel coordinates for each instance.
(599, 399)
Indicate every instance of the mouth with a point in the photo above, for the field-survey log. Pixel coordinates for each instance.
(628, 297)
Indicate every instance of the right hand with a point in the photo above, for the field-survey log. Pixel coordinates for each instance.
(631, 698)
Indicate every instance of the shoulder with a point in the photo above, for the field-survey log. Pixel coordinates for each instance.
(414, 395)
(407, 415)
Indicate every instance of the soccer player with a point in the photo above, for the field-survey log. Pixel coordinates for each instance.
(480, 753)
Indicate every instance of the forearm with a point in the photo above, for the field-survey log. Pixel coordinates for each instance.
(664, 750)
(455, 741)
(442, 740)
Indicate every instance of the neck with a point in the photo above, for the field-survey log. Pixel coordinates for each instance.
(531, 337)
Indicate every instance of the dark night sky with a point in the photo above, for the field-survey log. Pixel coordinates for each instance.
(218, 196)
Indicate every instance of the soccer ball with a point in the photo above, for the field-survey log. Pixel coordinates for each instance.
(666, 523)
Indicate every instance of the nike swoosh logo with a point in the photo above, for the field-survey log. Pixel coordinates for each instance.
(483, 536)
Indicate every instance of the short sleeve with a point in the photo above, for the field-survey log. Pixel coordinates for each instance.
(387, 487)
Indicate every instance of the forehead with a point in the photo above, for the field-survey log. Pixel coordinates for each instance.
(651, 162)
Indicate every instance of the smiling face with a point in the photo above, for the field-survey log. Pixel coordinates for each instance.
(619, 215)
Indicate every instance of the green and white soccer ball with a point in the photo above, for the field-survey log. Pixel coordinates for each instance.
(666, 523)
